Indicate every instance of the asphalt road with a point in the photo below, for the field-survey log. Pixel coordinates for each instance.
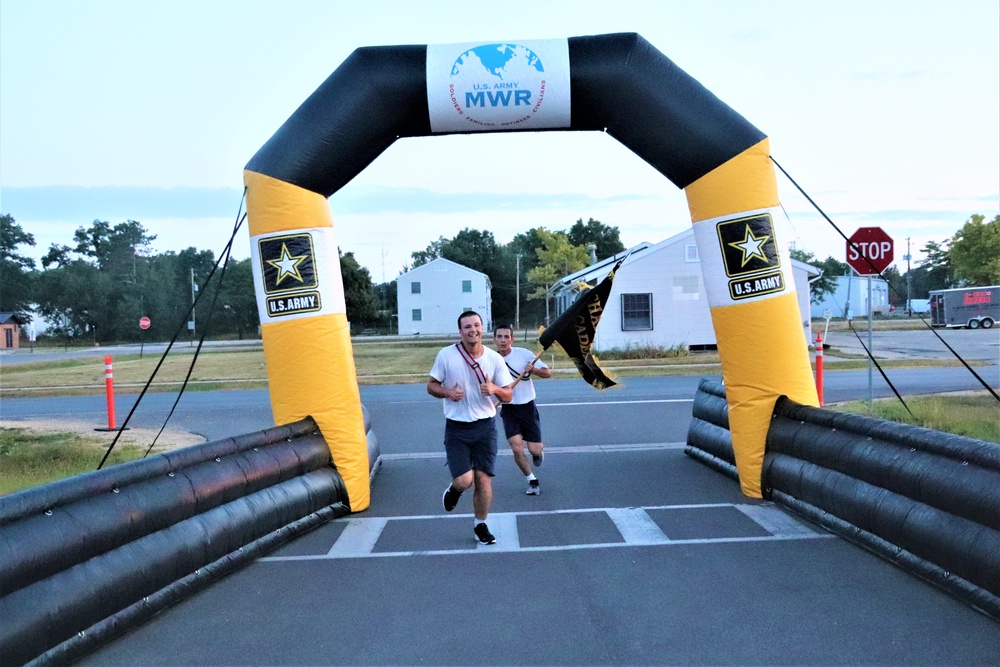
(634, 553)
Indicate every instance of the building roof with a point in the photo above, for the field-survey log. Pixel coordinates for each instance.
(13, 317)
(599, 269)
(435, 261)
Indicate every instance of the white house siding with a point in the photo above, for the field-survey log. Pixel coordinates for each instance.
(671, 274)
(680, 311)
(441, 299)
(857, 287)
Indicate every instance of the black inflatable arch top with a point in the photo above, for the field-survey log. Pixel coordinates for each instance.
(619, 83)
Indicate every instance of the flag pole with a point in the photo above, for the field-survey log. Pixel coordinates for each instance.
(537, 357)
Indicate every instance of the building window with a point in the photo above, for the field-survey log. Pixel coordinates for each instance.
(637, 312)
(415, 288)
(417, 316)
(467, 286)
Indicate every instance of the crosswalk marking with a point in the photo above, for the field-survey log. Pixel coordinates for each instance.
(359, 537)
(637, 528)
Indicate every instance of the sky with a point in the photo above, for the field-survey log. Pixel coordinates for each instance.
(887, 114)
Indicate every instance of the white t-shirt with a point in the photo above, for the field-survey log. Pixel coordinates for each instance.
(516, 360)
(450, 367)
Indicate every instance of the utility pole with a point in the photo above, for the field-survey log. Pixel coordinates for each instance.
(517, 291)
(909, 279)
(194, 293)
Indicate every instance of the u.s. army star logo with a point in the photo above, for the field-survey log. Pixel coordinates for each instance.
(748, 245)
(287, 263)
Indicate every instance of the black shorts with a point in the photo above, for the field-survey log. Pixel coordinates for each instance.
(471, 446)
(521, 420)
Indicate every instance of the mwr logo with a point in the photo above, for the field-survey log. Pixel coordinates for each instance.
(287, 263)
(748, 245)
(497, 86)
(305, 302)
(765, 284)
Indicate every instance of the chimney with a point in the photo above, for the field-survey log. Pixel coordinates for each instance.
(592, 249)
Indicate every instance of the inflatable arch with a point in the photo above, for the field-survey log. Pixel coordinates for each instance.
(619, 84)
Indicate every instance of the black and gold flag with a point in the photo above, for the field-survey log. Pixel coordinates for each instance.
(574, 330)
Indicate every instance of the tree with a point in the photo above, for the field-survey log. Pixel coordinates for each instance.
(974, 255)
(238, 300)
(113, 248)
(97, 292)
(557, 257)
(431, 252)
(897, 286)
(936, 266)
(362, 303)
(605, 237)
(827, 282)
(386, 293)
(16, 270)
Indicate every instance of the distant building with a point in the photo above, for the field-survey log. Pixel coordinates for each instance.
(658, 297)
(10, 330)
(430, 297)
(851, 295)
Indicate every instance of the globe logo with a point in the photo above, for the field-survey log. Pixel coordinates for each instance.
(497, 86)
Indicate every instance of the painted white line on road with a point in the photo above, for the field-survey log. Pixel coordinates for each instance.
(580, 449)
(358, 538)
(636, 526)
(775, 521)
(503, 525)
(652, 400)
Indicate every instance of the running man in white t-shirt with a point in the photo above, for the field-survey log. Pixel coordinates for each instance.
(468, 376)
(521, 423)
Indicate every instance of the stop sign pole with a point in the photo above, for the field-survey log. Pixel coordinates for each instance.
(870, 252)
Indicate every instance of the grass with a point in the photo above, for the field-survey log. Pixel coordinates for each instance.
(646, 351)
(975, 415)
(29, 459)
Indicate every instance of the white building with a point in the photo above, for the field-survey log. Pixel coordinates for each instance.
(852, 293)
(430, 297)
(658, 296)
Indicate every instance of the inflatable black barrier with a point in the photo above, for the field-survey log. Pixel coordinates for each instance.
(926, 501)
(86, 558)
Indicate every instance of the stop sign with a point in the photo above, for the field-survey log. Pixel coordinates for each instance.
(869, 251)
(144, 323)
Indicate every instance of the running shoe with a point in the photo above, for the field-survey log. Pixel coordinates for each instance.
(538, 458)
(484, 535)
(450, 498)
(533, 488)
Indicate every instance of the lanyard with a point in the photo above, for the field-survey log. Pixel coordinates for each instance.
(471, 363)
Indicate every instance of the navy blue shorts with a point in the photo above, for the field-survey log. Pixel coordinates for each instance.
(521, 420)
(471, 446)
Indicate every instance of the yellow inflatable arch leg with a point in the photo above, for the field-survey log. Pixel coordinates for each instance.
(307, 339)
(751, 293)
